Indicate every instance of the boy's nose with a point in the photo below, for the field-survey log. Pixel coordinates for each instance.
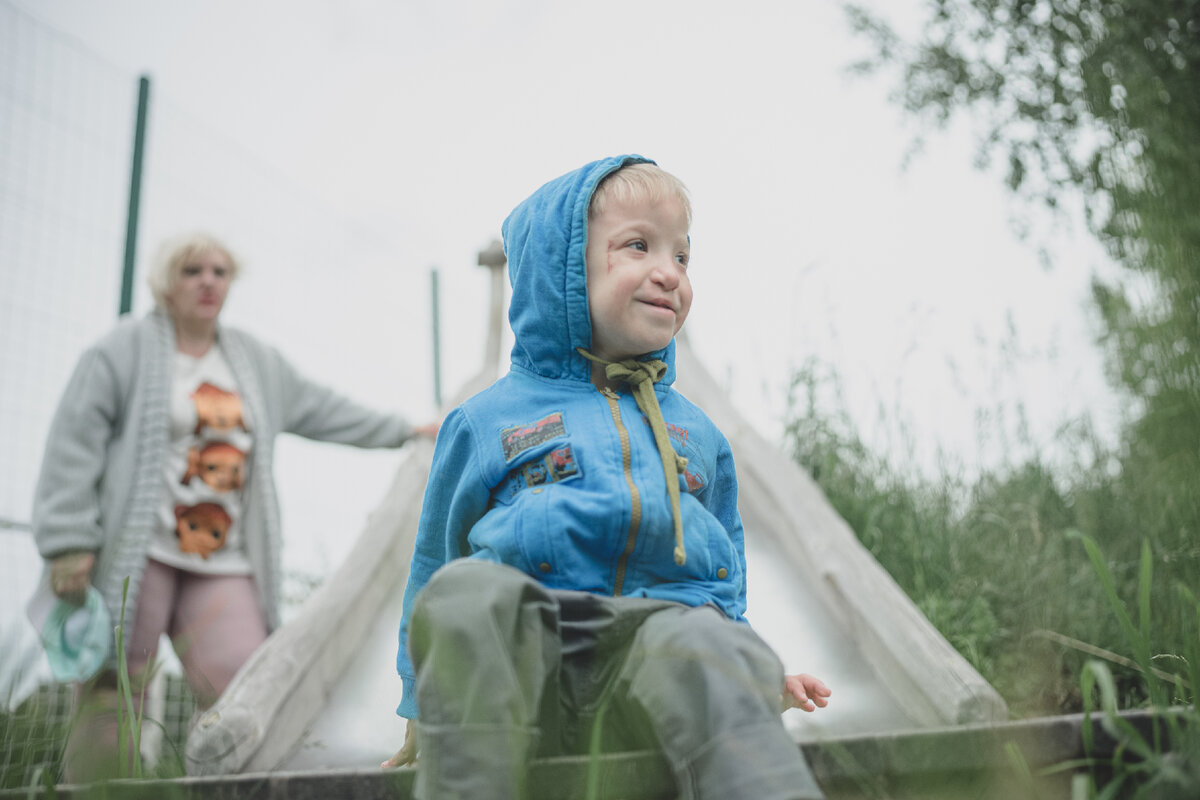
(665, 274)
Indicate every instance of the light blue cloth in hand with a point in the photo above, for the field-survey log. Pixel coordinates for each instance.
(77, 639)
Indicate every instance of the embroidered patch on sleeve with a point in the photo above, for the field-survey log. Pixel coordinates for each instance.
(519, 438)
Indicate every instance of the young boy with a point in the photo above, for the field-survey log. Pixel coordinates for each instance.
(579, 577)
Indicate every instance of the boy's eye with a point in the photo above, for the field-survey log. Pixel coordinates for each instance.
(219, 272)
(191, 270)
(638, 244)
(682, 259)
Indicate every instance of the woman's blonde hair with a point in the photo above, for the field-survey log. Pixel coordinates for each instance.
(173, 255)
(640, 181)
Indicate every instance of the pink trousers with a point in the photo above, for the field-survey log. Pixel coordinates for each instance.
(214, 623)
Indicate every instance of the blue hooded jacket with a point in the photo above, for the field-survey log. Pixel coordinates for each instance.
(545, 473)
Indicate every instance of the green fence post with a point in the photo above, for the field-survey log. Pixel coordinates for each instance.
(135, 194)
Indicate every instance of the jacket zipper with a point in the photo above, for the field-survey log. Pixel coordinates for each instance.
(635, 519)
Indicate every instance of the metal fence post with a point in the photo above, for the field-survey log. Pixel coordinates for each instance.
(135, 195)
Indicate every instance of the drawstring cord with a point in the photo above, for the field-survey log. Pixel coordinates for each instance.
(641, 376)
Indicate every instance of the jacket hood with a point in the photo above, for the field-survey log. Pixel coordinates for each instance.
(545, 241)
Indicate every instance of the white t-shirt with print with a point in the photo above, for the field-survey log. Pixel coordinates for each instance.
(210, 440)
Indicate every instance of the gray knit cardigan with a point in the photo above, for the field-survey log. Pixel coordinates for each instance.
(101, 479)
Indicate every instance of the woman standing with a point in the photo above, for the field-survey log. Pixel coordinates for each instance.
(158, 468)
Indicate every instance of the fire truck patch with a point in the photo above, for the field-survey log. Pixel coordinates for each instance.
(519, 438)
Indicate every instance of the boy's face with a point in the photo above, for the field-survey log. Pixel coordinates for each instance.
(637, 282)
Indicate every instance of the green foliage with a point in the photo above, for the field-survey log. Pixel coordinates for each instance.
(995, 564)
(1090, 96)
(1100, 100)
(33, 735)
(129, 716)
(1000, 567)
(1167, 764)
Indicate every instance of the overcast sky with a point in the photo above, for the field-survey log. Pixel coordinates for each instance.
(430, 120)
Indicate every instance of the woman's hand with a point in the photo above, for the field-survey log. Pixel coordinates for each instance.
(428, 431)
(804, 692)
(69, 575)
(408, 753)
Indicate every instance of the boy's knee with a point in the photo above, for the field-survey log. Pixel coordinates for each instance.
(697, 629)
(703, 639)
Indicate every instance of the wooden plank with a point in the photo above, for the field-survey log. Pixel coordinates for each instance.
(968, 761)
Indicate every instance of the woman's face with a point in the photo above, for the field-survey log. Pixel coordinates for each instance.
(198, 293)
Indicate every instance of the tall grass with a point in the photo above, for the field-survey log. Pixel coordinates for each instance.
(993, 560)
(31, 739)
(1166, 763)
(34, 734)
(130, 716)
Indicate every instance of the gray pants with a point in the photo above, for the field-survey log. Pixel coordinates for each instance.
(508, 670)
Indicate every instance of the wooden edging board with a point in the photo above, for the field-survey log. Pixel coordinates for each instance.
(977, 761)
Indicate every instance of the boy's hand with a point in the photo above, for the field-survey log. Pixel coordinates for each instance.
(407, 754)
(804, 692)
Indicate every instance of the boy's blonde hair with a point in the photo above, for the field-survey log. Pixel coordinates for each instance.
(173, 255)
(641, 181)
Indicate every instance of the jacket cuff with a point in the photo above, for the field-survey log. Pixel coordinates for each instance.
(51, 545)
(408, 705)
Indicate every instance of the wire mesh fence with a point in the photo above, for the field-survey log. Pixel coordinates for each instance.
(315, 285)
(36, 732)
(64, 132)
